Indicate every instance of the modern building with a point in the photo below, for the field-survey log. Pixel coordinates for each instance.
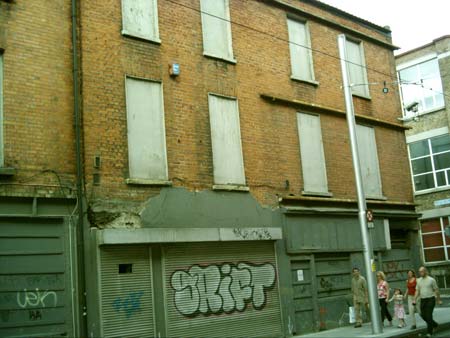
(425, 88)
(216, 194)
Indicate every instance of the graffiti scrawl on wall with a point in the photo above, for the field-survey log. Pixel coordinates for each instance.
(221, 288)
(129, 304)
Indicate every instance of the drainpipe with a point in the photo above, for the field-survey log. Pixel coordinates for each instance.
(80, 232)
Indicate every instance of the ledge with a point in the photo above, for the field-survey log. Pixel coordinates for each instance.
(142, 181)
(312, 107)
(7, 171)
(305, 81)
(178, 235)
(317, 194)
(221, 58)
(294, 198)
(230, 187)
(142, 38)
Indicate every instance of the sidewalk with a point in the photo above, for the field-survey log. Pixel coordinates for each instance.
(440, 315)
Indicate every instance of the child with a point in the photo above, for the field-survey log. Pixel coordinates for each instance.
(398, 307)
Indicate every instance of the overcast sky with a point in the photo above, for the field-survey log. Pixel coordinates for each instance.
(413, 22)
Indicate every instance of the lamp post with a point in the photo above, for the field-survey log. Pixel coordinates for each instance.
(362, 207)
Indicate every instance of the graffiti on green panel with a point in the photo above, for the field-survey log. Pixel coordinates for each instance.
(222, 288)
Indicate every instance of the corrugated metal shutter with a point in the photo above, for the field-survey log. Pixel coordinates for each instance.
(127, 295)
(35, 289)
(241, 281)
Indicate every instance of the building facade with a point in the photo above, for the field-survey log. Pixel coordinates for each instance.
(39, 278)
(425, 86)
(218, 196)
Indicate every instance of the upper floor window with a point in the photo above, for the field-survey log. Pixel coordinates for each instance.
(368, 158)
(312, 154)
(357, 68)
(216, 29)
(430, 162)
(146, 132)
(435, 243)
(140, 19)
(228, 160)
(300, 51)
(421, 84)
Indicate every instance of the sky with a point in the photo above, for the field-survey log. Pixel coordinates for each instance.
(413, 22)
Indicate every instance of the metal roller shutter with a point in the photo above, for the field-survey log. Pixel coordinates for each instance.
(225, 289)
(126, 292)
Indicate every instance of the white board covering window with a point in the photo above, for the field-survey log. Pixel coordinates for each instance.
(146, 131)
(312, 154)
(357, 68)
(368, 158)
(300, 51)
(140, 19)
(226, 140)
(216, 29)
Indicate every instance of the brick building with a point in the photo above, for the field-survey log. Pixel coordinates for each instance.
(218, 187)
(425, 86)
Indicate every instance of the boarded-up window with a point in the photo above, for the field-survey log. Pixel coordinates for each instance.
(368, 158)
(140, 19)
(312, 154)
(2, 161)
(357, 68)
(146, 134)
(226, 141)
(300, 50)
(216, 29)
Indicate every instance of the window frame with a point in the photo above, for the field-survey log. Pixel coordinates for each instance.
(229, 58)
(363, 66)
(428, 137)
(147, 181)
(417, 63)
(445, 244)
(298, 77)
(156, 37)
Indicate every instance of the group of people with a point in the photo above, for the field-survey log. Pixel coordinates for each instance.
(420, 293)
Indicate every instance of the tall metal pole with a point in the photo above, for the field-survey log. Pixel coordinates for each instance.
(362, 208)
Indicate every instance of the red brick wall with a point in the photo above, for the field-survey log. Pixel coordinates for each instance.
(38, 99)
(269, 132)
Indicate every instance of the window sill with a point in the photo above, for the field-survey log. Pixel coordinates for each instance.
(230, 187)
(318, 194)
(7, 171)
(365, 97)
(430, 191)
(376, 198)
(155, 40)
(216, 57)
(143, 181)
(306, 81)
(425, 112)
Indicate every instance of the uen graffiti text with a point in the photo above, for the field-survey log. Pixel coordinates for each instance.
(222, 288)
(36, 298)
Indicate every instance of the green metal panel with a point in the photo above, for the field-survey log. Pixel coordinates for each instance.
(35, 278)
(222, 289)
(126, 291)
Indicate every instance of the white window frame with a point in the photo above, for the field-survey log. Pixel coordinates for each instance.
(148, 181)
(310, 60)
(445, 245)
(416, 63)
(303, 150)
(363, 66)
(227, 185)
(154, 22)
(230, 57)
(2, 154)
(428, 135)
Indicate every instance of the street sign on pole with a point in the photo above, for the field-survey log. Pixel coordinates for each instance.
(362, 207)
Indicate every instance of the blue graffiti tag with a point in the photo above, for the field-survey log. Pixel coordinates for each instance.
(128, 304)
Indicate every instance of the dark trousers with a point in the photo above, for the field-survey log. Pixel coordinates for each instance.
(384, 310)
(426, 312)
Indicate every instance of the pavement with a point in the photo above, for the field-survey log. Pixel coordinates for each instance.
(441, 315)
